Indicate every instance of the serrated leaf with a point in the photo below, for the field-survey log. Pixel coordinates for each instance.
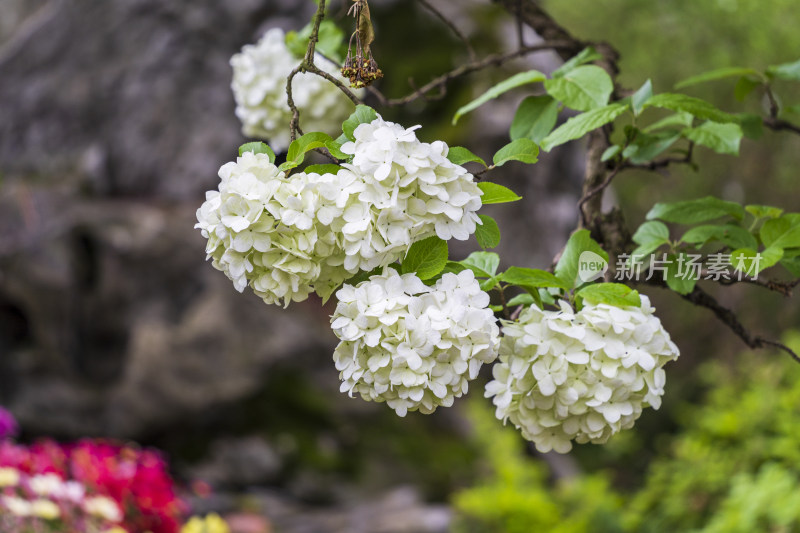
(487, 233)
(483, 264)
(695, 211)
(458, 155)
(579, 242)
(681, 119)
(580, 125)
(535, 118)
(583, 88)
(728, 234)
(524, 150)
(780, 233)
(532, 277)
(689, 104)
(786, 71)
(614, 294)
(641, 96)
(426, 257)
(496, 194)
(750, 262)
(587, 55)
(722, 138)
(680, 282)
(763, 211)
(651, 232)
(717, 74)
(257, 148)
(363, 114)
(521, 78)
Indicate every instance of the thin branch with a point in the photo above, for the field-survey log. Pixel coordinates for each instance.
(452, 26)
(777, 124)
(473, 66)
(782, 287)
(701, 298)
(594, 192)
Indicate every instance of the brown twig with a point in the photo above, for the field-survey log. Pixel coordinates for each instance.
(452, 26)
(777, 124)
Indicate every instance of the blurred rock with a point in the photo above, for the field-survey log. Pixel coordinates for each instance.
(243, 461)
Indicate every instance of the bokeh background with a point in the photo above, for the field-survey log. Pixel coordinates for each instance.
(116, 115)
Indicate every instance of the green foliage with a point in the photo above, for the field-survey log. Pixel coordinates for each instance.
(301, 145)
(459, 155)
(330, 43)
(426, 257)
(641, 97)
(535, 118)
(689, 104)
(587, 55)
(578, 126)
(583, 88)
(497, 194)
(523, 149)
(521, 78)
(722, 138)
(718, 74)
(610, 293)
(363, 114)
(567, 268)
(257, 148)
(694, 211)
(487, 233)
(787, 71)
(532, 278)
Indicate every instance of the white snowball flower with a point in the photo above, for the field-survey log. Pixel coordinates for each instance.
(259, 87)
(272, 232)
(413, 346)
(582, 376)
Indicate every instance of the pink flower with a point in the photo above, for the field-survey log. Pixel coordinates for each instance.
(8, 425)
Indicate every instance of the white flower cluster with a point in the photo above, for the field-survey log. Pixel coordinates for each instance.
(289, 236)
(259, 87)
(584, 376)
(413, 346)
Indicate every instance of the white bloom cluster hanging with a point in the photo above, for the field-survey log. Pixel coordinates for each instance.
(581, 376)
(411, 191)
(287, 237)
(410, 345)
(259, 87)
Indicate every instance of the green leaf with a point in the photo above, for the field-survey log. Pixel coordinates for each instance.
(488, 233)
(728, 234)
(792, 264)
(752, 125)
(646, 147)
(695, 211)
(364, 275)
(579, 242)
(427, 258)
(514, 81)
(330, 43)
(680, 282)
(652, 231)
(681, 119)
(496, 194)
(532, 278)
(763, 211)
(363, 114)
(521, 299)
(535, 118)
(718, 74)
(697, 107)
(614, 294)
(722, 138)
(524, 150)
(335, 148)
(459, 155)
(452, 267)
(641, 96)
(780, 233)
(490, 283)
(587, 55)
(583, 88)
(610, 152)
(301, 145)
(483, 264)
(257, 148)
(744, 86)
(580, 125)
(786, 71)
(752, 263)
(322, 169)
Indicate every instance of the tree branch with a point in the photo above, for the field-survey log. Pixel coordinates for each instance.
(452, 27)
